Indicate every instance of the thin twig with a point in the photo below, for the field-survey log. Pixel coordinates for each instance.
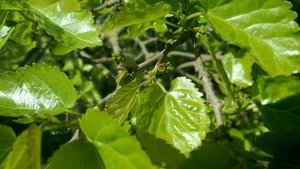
(204, 57)
(106, 4)
(207, 84)
(168, 49)
(107, 97)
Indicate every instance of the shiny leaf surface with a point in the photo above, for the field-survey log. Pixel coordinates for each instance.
(136, 13)
(179, 116)
(76, 155)
(33, 90)
(66, 22)
(115, 146)
(122, 102)
(26, 150)
(280, 101)
(7, 138)
(5, 33)
(238, 69)
(267, 28)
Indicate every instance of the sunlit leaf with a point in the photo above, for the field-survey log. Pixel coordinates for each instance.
(136, 13)
(238, 69)
(5, 33)
(122, 102)
(66, 21)
(33, 90)
(7, 138)
(280, 101)
(179, 116)
(272, 90)
(76, 155)
(115, 146)
(266, 27)
(26, 150)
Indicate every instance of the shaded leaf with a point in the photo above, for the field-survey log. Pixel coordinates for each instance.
(26, 150)
(238, 69)
(279, 119)
(267, 28)
(122, 102)
(33, 90)
(161, 153)
(115, 146)
(283, 145)
(66, 22)
(136, 13)
(7, 138)
(179, 116)
(211, 155)
(76, 155)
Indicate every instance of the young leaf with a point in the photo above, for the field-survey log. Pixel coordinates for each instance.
(238, 69)
(26, 150)
(115, 146)
(66, 21)
(37, 89)
(122, 102)
(7, 138)
(136, 12)
(178, 116)
(76, 155)
(266, 27)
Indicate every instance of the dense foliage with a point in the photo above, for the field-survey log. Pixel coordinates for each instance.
(140, 84)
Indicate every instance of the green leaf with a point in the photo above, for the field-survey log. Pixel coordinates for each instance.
(115, 146)
(179, 116)
(284, 86)
(34, 90)
(238, 69)
(267, 28)
(279, 119)
(76, 155)
(23, 35)
(66, 22)
(122, 102)
(7, 138)
(26, 151)
(280, 101)
(137, 13)
(158, 25)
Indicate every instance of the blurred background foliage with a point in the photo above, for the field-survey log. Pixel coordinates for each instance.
(93, 71)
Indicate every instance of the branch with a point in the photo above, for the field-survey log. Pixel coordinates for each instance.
(207, 84)
(106, 4)
(163, 53)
